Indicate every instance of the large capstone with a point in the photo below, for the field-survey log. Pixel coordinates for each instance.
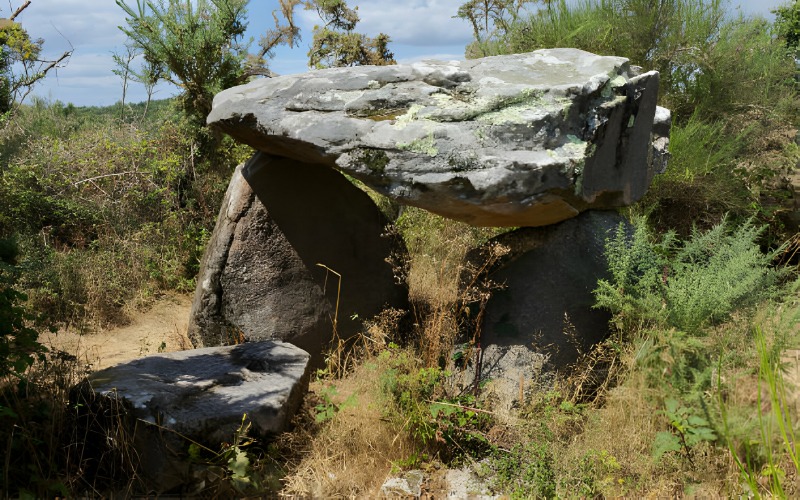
(521, 140)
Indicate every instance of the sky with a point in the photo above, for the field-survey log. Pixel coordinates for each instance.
(419, 29)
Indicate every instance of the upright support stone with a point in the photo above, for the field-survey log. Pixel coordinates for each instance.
(262, 276)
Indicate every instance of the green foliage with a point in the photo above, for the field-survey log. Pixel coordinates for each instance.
(686, 286)
(106, 215)
(19, 346)
(525, 471)
(699, 148)
(21, 65)
(328, 408)
(687, 429)
(336, 44)
(194, 45)
(491, 20)
(788, 23)
(764, 454)
(451, 427)
(594, 473)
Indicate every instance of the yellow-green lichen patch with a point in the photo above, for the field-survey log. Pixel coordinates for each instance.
(512, 110)
(426, 145)
(409, 116)
(377, 114)
(610, 87)
(574, 146)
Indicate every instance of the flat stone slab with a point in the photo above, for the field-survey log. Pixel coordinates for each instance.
(520, 140)
(203, 393)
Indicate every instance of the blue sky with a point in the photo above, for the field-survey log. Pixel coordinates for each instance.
(419, 29)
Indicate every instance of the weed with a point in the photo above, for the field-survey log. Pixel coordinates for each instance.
(449, 427)
(687, 429)
(328, 408)
(525, 471)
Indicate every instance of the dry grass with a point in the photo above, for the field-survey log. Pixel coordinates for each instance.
(352, 454)
(437, 249)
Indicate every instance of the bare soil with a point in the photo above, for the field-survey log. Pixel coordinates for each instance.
(162, 328)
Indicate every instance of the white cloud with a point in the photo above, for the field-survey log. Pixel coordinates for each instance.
(422, 23)
(438, 57)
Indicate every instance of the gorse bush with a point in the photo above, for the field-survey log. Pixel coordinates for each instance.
(664, 283)
(107, 214)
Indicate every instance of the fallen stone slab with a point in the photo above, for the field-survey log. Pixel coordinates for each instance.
(144, 415)
(519, 140)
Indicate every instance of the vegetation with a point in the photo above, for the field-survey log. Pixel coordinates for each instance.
(336, 44)
(21, 65)
(692, 394)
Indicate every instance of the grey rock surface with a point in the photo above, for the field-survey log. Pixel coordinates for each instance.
(252, 282)
(521, 140)
(260, 277)
(141, 417)
(510, 374)
(543, 317)
(407, 485)
(203, 393)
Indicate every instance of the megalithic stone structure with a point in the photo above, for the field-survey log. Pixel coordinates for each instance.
(522, 140)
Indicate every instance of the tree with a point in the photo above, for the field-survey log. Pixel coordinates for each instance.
(123, 70)
(336, 44)
(787, 19)
(21, 66)
(491, 20)
(196, 43)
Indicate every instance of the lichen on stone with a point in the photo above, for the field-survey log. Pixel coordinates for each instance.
(409, 116)
(511, 110)
(375, 160)
(425, 145)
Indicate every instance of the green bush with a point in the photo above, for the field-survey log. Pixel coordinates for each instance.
(447, 426)
(686, 286)
(525, 471)
(107, 214)
(19, 345)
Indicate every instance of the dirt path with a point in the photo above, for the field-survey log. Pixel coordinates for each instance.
(160, 329)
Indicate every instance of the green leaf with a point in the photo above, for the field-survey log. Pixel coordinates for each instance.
(239, 463)
(665, 442)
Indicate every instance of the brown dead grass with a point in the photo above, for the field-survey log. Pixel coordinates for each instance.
(351, 455)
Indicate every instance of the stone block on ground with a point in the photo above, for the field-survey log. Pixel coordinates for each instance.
(147, 412)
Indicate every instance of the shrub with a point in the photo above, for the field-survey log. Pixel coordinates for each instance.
(449, 427)
(525, 471)
(685, 286)
(19, 346)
